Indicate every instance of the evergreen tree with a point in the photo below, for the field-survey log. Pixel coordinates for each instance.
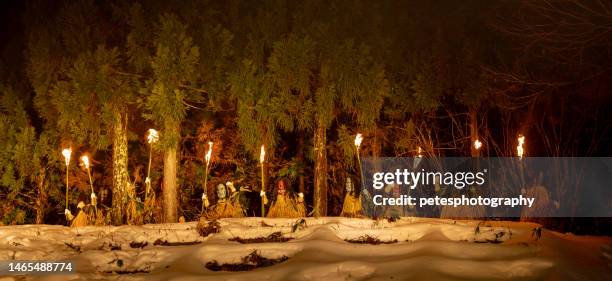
(174, 68)
(326, 81)
(27, 164)
(313, 75)
(79, 90)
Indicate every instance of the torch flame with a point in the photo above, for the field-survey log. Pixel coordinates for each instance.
(477, 144)
(519, 149)
(85, 161)
(419, 152)
(67, 152)
(358, 139)
(209, 152)
(262, 154)
(152, 136)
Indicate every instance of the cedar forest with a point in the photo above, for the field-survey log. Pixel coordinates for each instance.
(301, 78)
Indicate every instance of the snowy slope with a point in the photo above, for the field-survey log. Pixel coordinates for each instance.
(418, 249)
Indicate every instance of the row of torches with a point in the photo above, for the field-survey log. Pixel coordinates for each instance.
(67, 152)
(153, 137)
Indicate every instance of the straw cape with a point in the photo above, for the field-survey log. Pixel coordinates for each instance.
(286, 207)
(81, 218)
(88, 215)
(224, 209)
(351, 207)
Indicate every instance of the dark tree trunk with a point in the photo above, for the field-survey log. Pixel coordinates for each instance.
(320, 171)
(41, 202)
(169, 185)
(120, 168)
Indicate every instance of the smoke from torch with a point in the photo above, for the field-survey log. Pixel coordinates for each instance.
(519, 148)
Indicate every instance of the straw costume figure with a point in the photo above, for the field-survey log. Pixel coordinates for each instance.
(352, 201)
(285, 206)
(394, 211)
(224, 208)
(236, 197)
(81, 218)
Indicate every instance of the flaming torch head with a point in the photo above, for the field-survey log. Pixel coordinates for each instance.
(85, 161)
(419, 152)
(262, 154)
(358, 139)
(477, 144)
(67, 152)
(519, 149)
(209, 152)
(152, 136)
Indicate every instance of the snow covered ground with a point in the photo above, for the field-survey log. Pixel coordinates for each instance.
(407, 249)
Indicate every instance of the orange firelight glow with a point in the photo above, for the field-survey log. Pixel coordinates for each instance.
(262, 154)
(358, 139)
(66, 153)
(85, 161)
(477, 144)
(209, 152)
(519, 148)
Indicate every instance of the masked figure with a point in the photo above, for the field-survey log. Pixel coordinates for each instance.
(285, 206)
(81, 219)
(224, 208)
(394, 211)
(352, 201)
(221, 193)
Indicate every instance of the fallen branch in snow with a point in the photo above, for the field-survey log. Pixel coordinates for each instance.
(367, 239)
(274, 237)
(299, 225)
(114, 247)
(206, 228)
(140, 245)
(250, 262)
(136, 271)
(160, 242)
(76, 248)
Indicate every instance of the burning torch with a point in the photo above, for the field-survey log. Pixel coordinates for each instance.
(262, 193)
(358, 140)
(519, 148)
(152, 138)
(477, 144)
(207, 158)
(66, 153)
(94, 199)
(520, 152)
(418, 158)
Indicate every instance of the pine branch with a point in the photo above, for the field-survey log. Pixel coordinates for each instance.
(181, 85)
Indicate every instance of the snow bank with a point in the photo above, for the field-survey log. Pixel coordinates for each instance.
(430, 249)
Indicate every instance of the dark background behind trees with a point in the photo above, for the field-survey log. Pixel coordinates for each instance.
(300, 77)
